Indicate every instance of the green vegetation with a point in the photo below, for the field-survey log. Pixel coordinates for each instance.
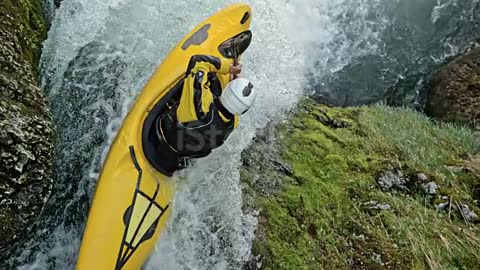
(320, 219)
(22, 23)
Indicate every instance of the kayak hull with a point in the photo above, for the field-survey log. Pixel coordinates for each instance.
(132, 200)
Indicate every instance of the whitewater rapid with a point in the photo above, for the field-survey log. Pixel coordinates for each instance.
(100, 53)
(97, 57)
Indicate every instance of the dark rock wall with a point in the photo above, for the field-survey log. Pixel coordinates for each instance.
(454, 93)
(26, 129)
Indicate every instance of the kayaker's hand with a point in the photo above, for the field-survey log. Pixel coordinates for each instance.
(235, 69)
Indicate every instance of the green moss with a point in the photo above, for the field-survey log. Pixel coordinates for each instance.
(320, 222)
(25, 19)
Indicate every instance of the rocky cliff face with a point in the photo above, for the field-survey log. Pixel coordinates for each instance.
(454, 93)
(26, 135)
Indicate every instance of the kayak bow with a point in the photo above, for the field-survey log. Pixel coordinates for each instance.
(132, 200)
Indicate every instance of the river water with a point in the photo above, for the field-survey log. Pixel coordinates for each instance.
(100, 53)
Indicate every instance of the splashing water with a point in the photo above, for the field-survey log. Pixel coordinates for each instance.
(98, 56)
(391, 49)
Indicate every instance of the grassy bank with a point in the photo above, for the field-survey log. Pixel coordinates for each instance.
(327, 209)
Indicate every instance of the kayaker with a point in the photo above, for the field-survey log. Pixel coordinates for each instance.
(206, 113)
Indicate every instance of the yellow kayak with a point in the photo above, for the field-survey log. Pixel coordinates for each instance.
(132, 198)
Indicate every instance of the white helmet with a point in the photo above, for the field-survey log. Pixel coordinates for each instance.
(238, 96)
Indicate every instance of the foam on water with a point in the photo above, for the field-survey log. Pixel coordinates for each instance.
(97, 58)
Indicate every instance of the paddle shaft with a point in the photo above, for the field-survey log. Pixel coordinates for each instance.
(235, 58)
(235, 63)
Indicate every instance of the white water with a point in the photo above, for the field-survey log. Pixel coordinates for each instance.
(208, 229)
(440, 8)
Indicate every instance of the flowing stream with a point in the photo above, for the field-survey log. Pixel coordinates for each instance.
(100, 53)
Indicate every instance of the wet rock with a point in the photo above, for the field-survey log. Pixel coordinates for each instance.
(377, 258)
(454, 92)
(26, 130)
(57, 3)
(392, 182)
(254, 263)
(467, 213)
(430, 188)
(441, 207)
(396, 181)
(360, 237)
(444, 204)
(328, 121)
(282, 167)
(264, 171)
(422, 177)
(461, 210)
(374, 205)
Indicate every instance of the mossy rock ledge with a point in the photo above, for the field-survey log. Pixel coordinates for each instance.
(26, 129)
(454, 92)
(363, 188)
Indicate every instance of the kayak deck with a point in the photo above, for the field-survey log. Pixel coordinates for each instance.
(132, 199)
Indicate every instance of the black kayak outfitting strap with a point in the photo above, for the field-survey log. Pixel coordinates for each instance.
(127, 249)
(120, 258)
(134, 159)
(222, 109)
(150, 141)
